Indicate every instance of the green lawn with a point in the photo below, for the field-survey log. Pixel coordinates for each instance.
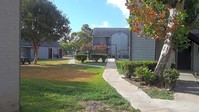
(159, 93)
(96, 63)
(53, 62)
(118, 64)
(63, 88)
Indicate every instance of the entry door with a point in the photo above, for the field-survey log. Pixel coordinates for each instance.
(50, 53)
(184, 59)
(60, 53)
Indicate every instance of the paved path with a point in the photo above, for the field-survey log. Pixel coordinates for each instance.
(139, 99)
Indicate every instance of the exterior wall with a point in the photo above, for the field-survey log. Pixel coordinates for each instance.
(158, 47)
(97, 40)
(121, 41)
(196, 57)
(143, 49)
(43, 53)
(9, 48)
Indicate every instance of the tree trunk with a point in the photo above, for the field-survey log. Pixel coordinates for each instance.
(36, 51)
(165, 58)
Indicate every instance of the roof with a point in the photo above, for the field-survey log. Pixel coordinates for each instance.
(194, 36)
(108, 32)
(45, 44)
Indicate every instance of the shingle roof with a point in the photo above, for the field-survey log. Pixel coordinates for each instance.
(108, 32)
(45, 44)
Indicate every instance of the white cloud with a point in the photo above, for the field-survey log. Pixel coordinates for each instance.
(121, 5)
(104, 25)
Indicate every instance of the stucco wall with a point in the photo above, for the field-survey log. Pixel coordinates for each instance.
(143, 49)
(9, 48)
(43, 52)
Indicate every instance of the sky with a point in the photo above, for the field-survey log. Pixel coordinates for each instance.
(95, 13)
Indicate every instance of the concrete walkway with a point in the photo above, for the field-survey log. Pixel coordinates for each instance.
(184, 102)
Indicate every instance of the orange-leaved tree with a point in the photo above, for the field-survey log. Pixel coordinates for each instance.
(163, 19)
(100, 48)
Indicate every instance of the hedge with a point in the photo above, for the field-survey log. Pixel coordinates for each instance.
(96, 57)
(81, 57)
(128, 67)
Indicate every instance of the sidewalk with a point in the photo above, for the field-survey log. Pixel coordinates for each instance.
(139, 99)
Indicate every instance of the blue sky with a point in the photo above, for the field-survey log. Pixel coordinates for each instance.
(95, 13)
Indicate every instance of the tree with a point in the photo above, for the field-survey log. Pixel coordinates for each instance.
(100, 48)
(85, 35)
(70, 43)
(42, 22)
(87, 47)
(168, 20)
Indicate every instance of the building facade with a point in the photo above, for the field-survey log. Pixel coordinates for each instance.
(9, 48)
(47, 50)
(116, 40)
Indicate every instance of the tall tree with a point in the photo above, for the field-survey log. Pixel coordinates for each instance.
(42, 22)
(69, 44)
(85, 35)
(168, 20)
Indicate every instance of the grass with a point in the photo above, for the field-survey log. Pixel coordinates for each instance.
(159, 93)
(119, 66)
(52, 62)
(96, 63)
(62, 88)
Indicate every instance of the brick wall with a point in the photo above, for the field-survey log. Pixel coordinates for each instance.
(9, 55)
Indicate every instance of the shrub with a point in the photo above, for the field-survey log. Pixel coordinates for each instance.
(96, 57)
(81, 57)
(129, 67)
(145, 74)
(170, 76)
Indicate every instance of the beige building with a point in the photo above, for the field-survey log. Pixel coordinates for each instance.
(9, 58)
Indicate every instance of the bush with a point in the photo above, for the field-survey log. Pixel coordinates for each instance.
(170, 76)
(81, 57)
(96, 57)
(129, 67)
(145, 75)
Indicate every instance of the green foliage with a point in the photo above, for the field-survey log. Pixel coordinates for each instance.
(67, 47)
(81, 57)
(170, 76)
(145, 74)
(128, 67)
(180, 34)
(85, 35)
(96, 57)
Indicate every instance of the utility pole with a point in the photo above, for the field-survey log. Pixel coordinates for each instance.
(130, 44)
